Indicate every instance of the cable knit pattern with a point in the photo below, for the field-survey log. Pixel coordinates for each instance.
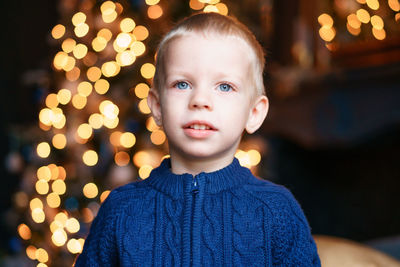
(223, 218)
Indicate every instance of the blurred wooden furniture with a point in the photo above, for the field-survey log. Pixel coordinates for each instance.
(339, 252)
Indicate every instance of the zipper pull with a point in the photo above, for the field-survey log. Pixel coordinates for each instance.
(195, 185)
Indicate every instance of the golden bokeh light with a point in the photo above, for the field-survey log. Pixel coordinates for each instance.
(373, 4)
(105, 33)
(109, 109)
(110, 69)
(379, 34)
(51, 101)
(111, 123)
(362, 1)
(31, 252)
(353, 21)
(90, 190)
(62, 174)
(142, 158)
(141, 33)
(55, 225)
(325, 20)
(59, 121)
(158, 137)
(79, 101)
(93, 74)
(36, 203)
(151, 124)
(58, 31)
(327, 34)
(121, 158)
(377, 22)
(125, 58)
(99, 44)
(147, 70)
(211, 8)
(394, 5)
(24, 231)
(255, 157)
(123, 40)
(87, 215)
(115, 138)
(96, 121)
(84, 131)
(127, 25)
(142, 90)
(45, 116)
(53, 200)
(397, 17)
(363, 15)
(243, 158)
(41, 264)
(85, 88)
(74, 246)
(154, 12)
(152, 2)
(59, 141)
(68, 45)
(62, 218)
(42, 187)
(127, 140)
(38, 215)
(54, 171)
(222, 9)
(138, 48)
(107, 7)
(72, 225)
(43, 149)
(44, 173)
(101, 86)
(104, 195)
(59, 187)
(70, 64)
(78, 18)
(79, 51)
(73, 74)
(90, 157)
(144, 107)
(60, 60)
(81, 30)
(41, 255)
(59, 237)
(108, 18)
(144, 171)
(196, 5)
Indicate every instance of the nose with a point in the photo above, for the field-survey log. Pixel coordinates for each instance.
(200, 99)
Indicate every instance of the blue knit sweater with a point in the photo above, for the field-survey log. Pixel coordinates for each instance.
(224, 218)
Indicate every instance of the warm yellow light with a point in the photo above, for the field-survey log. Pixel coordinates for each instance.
(62, 218)
(123, 40)
(59, 237)
(73, 74)
(51, 101)
(78, 18)
(72, 225)
(59, 121)
(327, 34)
(105, 33)
(142, 90)
(85, 88)
(151, 124)
(353, 21)
(394, 5)
(96, 121)
(70, 64)
(196, 5)
(42, 187)
(108, 109)
(142, 158)
(54, 171)
(68, 45)
(377, 22)
(24, 231)
(101, 86)
(222, 9)
(154, 12)
(62, 174)
(81, 30)
(152, 2)
(325, 20)
(127, 140)
(144, 107)
(243, 158)
(158, 137)
(127, 25)
(147, 70)
(362, 1)
(115, 138)
(55, 225)
(41, 264)
(90, 190)
(41, 255)
(38, 215)
(373, 4)
(36, 203)
(255, 157)
(53, 200)
(87, 215)
(74, 246)
(111, 123)
(59, 187)
(397, 17)
(90, 157)
(104, 195)
(31, 252)
(110, 69)
(93, 74)
(108, 18)
(45, 116)
(79, 51)
(60, 60)
(211, 8)
(107, 7)
(59, 141)
(138, 48)
(363, 15)
(379, 34)
(141, 33)
(58, 31)
(43, 149)
(84, 131)
(121, 158)
(125, 58)
(145, 171)
(99, 43)
(44, 173)
(79, 101)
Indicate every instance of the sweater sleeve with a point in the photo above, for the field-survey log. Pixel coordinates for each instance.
(292, 242)
(100, 248)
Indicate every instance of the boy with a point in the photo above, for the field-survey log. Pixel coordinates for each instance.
(200, 207)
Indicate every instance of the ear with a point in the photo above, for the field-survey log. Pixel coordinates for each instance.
(153, 101)
(257, 114)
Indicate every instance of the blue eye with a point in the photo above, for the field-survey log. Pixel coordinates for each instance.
(225, 87)
(182, 85)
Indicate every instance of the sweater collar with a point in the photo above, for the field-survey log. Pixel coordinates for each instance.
(176, 185)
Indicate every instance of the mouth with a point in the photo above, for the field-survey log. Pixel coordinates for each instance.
(199, 125)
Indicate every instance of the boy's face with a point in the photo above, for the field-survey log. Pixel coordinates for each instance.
(207, 100)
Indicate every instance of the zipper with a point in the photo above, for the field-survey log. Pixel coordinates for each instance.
(194, 191)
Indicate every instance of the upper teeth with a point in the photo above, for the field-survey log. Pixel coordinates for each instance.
(199, 127)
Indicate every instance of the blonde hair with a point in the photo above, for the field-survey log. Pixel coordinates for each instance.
(213, 23)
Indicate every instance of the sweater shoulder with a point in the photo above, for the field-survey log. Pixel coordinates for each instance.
(126, 194)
